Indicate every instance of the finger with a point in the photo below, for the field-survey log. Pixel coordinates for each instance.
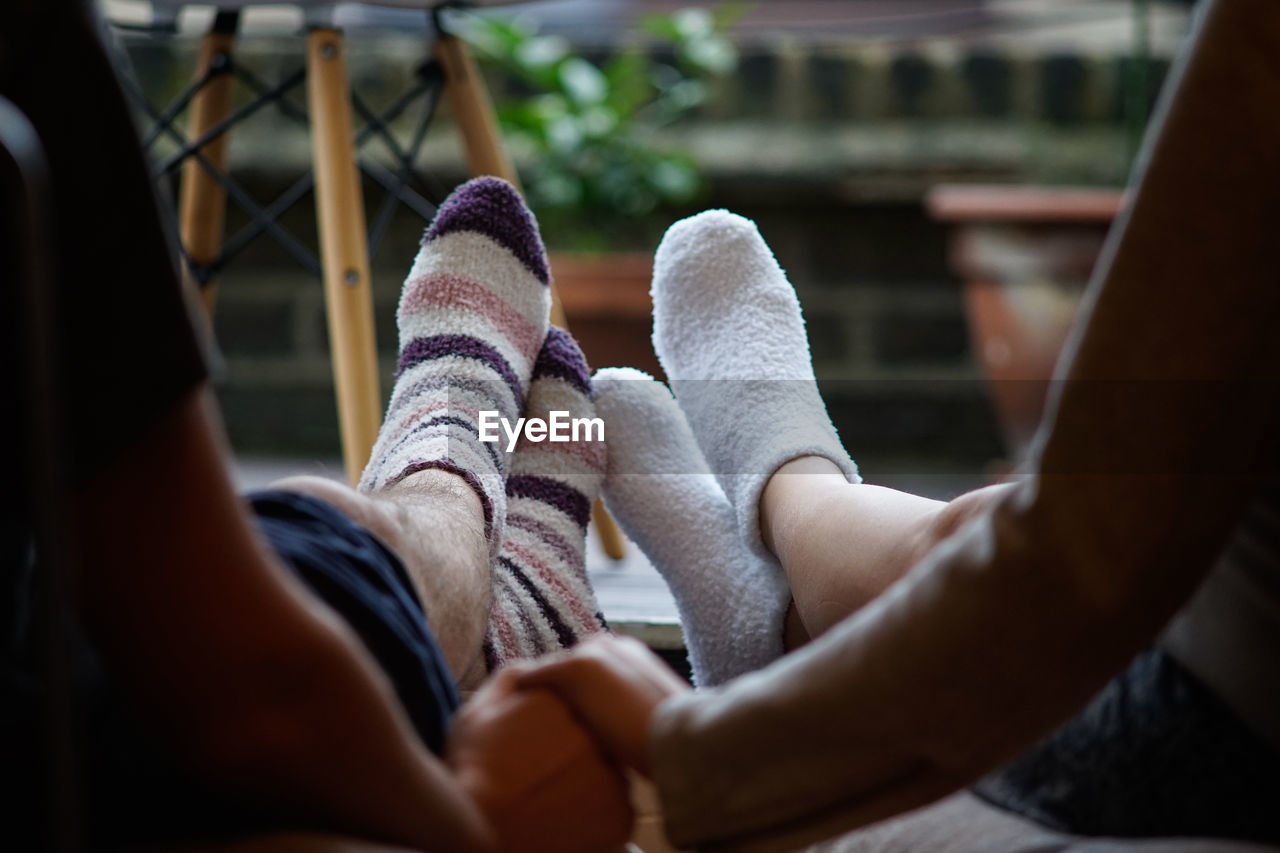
(662, 675)
(501, 684)
(615, 711)
(637, 662)
(623, 657)
(575, 677)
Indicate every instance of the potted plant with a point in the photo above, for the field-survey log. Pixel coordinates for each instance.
(1024, 255)
(594, 167)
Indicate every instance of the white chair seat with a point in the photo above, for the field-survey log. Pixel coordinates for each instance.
(399, 4)
(384, 14)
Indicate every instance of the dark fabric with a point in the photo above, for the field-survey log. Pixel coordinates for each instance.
(125, 341)
(1156, 753)
(125, 352)
(130, 792)
(359, 577)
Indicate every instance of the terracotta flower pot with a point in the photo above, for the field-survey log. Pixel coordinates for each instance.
(1025, 255)
(606, 301)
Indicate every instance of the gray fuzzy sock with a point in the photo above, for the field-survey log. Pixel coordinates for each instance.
(729, 334)
(731, 600)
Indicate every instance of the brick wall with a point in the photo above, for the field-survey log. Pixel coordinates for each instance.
(830, 149)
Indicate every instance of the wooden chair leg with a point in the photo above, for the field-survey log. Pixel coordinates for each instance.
(202, 204)
(473, 114)
(486, 155)
(344, 249)
(472, 110)
(611, 541)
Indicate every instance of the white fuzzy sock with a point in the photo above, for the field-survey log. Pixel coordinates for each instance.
(731, 601)
(542, 598)
(472, 318)
(728, 331)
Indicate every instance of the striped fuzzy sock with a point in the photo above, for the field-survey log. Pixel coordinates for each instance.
(542, 599)
(472, 317)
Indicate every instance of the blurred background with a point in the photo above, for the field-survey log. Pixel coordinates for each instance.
(936, 177)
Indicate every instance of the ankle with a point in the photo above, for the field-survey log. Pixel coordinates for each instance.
(793, 483)
(808, 466)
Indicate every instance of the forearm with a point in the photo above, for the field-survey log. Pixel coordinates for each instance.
(942, 676)
(987, 646)
(335, 750)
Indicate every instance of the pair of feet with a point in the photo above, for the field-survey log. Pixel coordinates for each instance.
(475, 338)
(684, 474)
(687, 472)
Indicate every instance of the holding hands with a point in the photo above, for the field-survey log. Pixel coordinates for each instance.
(613, 686)
(541, 746)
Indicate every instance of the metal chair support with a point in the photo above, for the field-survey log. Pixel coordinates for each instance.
(346, 240)
(200, 152)
(345, 245)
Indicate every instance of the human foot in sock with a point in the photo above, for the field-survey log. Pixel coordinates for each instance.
(472, 317)
(731, 600)
(542, 599)
(728, 332)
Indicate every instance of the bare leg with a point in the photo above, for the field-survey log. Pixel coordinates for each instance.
(434, 522)
(842, 544)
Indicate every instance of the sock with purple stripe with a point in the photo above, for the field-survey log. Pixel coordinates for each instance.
(472, 318)
(542, 599)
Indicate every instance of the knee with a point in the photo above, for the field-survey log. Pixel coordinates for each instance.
(305, 483)
(360, 508)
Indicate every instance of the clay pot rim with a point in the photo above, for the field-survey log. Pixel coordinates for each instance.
(1020, 203)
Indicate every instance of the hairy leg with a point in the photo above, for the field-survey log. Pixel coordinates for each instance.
(841, 544)
(434, 522)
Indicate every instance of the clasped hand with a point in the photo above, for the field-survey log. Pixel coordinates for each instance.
(543, 745)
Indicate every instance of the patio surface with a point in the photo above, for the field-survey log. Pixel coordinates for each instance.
(632, 595)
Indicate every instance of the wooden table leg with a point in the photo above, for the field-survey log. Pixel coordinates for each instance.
(202, 203)
(473, 113)
(344, 249)
(472, 110)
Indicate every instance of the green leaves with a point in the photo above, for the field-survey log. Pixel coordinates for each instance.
(695, 33)
(540, 53)
(585, 84)
(593, 128)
